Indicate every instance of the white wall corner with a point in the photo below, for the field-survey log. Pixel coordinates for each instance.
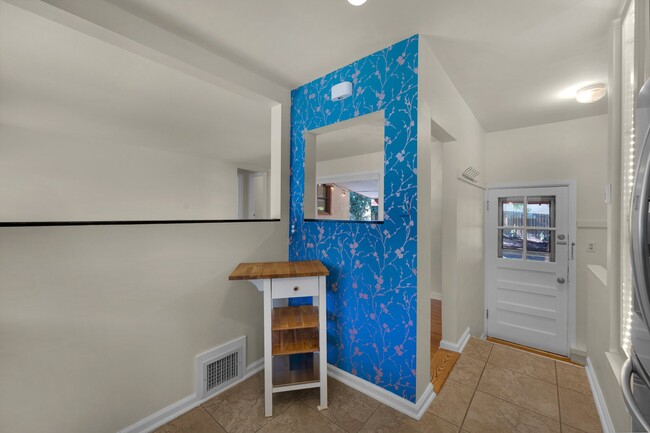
(185, 404)
(436, 295)
(414, 410)
(599, 399)
(458, 346)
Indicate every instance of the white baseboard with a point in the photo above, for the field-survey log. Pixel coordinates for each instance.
(414, 410)
(183, 405)
(174, 410)
(436, 295)
(456, 347)
(599, 399)
(578, 355)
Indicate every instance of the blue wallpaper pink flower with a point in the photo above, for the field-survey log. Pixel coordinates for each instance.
(372, 290)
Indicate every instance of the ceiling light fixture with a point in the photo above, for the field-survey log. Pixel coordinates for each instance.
(591, 93)
(356, 2)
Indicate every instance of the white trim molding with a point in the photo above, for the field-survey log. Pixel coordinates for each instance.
(183, 405)
(599, 399)
(585, 224)
(414, 410)
(456, 347)
(436, 295)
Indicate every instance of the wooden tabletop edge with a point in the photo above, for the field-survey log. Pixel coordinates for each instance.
(263, 270)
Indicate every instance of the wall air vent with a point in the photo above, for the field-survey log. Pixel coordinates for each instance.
(220, 367)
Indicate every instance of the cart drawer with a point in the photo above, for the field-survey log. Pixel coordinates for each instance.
(294, 287)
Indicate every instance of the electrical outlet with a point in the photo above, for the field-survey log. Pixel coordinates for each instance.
(591, 246)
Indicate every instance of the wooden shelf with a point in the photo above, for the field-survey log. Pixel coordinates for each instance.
(288, 342)
(260, 271)
(289, 373)
(305, 316)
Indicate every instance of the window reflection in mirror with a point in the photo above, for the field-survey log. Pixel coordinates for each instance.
(344, 170)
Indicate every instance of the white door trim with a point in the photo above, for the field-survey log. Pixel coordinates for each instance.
(573, 232)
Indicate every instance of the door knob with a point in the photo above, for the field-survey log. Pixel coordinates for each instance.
(560, 280)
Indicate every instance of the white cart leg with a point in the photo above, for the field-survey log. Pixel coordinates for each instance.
(322, 324)
(268, 354)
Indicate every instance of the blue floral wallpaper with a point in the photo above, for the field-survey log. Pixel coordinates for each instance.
(372, 293)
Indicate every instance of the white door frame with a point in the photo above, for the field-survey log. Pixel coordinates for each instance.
(572, 231)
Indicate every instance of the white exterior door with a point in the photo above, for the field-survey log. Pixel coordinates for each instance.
(527, 267)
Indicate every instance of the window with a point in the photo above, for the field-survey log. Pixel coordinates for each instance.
(628, 164)
(529, 218)
(324, 198)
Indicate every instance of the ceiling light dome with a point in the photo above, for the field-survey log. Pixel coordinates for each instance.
(591, 93)
(356, 2)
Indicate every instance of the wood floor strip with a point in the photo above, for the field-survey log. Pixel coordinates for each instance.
(442, 362)
(436, 324)
(551, 355)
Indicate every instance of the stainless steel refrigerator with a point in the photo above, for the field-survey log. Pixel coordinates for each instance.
(636, 370)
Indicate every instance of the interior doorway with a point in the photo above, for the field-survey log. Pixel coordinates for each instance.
(442, 361)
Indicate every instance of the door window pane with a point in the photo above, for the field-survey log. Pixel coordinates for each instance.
(540, 211)
(511, 244)
(540, 245)
(511, 211)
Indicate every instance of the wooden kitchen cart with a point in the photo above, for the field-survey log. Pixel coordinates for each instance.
(295, 337)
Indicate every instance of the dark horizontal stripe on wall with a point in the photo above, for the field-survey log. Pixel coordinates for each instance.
(314, 220)
(123, 223)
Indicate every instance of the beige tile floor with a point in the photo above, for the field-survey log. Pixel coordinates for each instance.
(492, 388)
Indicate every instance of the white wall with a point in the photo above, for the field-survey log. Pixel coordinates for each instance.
(599, 321)
(100, 324)
(575, 149)
(462, 247)
(46, 176)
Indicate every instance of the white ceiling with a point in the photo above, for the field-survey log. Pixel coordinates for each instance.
(510, 59)
(56, 79)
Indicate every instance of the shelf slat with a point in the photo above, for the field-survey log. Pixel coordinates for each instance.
(288, 342)
(305, 316)
(306, 372)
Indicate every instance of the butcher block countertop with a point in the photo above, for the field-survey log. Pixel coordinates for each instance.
(264, 270)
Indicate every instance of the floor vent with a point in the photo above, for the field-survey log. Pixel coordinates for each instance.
(220, 367)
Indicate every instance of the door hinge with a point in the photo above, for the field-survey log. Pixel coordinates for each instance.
(487, 205)
(487, 314)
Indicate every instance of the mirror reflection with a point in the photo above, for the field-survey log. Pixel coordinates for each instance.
(344, 170)
(92, 132)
